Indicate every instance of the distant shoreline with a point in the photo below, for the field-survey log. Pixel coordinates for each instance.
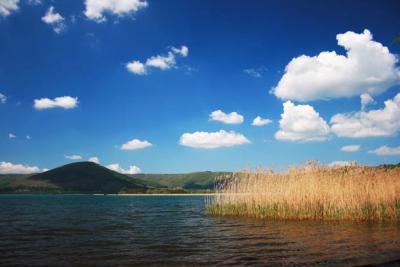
(181, 194)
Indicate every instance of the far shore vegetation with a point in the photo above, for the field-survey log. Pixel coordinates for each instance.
(311, 192)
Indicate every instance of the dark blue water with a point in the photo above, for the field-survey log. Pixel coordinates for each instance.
(175, 231)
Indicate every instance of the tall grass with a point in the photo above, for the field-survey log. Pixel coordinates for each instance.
(311, 191)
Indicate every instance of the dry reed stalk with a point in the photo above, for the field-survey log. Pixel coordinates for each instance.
(311, 191)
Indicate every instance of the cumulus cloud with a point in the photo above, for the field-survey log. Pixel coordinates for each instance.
(12, 136)
(341, 163)
(135, 144)
(8, 6)
(367, 67)
(183, 50)
(54, 19)
(8, 168)
(95, 9)
(231, 118)
(3, 98)
(351, 148)
(301, 123)
(136, 67)
(258, 121)
(94, 160)
(366, 99)
(379, 122)
(131, 170)
(386, 151)
(162, 62)
(73, 157)
(213, 139)
(65, 102)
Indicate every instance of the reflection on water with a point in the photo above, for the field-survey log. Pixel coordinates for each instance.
(152, 231)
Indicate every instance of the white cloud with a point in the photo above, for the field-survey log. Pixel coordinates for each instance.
(8, 167)
(95, 9)
(136, 144)
(11, 136)
(258, 121)
(256, 72)
(341, 163)
(28, 137)
(131, 170)
(213, 139)
(367, 67)
(3, 98)
(231, 118)
(66, 102)
(73, 157)
(35, 2)
(94, 159)
(351, 148)
(253, 72)
(301, 123)
(136, 67)
(8, 6)
(54, 19)
(379, 122)
(162, 62)
(386, 151)
(183, 51)
(366, 99)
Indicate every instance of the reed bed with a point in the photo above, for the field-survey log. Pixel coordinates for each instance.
(311, 192)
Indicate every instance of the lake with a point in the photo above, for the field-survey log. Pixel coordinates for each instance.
(84, 230)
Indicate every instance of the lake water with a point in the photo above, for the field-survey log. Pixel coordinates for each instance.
(175, 231)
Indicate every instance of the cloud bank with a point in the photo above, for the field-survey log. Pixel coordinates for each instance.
(10, 168)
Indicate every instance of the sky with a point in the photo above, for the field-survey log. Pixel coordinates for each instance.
(180, 86)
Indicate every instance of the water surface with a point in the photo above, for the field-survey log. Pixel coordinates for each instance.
(67, 230)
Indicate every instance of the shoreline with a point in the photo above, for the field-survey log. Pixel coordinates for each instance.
(178, 194)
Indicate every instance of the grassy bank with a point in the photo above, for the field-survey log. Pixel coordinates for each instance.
(312, 191)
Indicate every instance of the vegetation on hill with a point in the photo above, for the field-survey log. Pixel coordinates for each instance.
(88, 177)
(189, 181)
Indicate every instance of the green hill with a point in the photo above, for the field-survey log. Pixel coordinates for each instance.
(190, 181)
(88, 177)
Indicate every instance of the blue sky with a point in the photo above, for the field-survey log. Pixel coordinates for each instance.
(242, 56)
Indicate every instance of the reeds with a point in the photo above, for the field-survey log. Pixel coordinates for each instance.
(311, 191)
